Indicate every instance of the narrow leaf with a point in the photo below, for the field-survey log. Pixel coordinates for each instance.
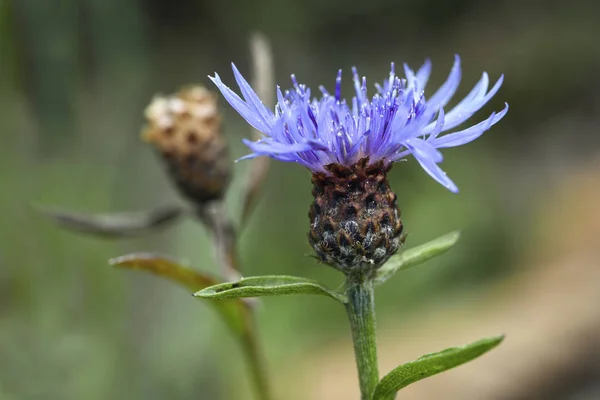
(234, 312)
(115, 225)
(165, 267)
(429, 365)
(274, 285)
(415, 256)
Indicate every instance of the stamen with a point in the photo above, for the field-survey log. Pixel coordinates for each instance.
(338, 86)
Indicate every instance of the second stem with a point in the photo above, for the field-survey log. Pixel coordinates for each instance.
(361, 312)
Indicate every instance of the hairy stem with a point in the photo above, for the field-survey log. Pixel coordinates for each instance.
(361, 312)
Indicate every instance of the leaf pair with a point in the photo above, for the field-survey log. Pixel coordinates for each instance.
(399, 377)
(276, 285)
(435, 363)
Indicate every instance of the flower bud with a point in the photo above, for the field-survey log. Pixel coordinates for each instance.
(186, 130)
(355, 224)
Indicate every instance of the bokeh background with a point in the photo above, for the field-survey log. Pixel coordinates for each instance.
(75, 77)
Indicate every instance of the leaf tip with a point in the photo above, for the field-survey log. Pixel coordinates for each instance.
(115, 261)
(205, 293)
(120, 261)
(498, 339)
(453, 237)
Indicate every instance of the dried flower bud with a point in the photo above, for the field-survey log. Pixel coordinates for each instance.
(354, 222)
(186, 130)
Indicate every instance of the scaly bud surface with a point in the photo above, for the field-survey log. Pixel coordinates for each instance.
(186, 130)
(354, 221)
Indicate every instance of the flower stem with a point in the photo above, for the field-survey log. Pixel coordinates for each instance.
(214, 216)
(255, 360)
(361, 312)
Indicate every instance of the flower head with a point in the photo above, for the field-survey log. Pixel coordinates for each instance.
(185, 128)
(397, 121)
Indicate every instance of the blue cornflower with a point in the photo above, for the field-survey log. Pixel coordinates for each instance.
(397, 121)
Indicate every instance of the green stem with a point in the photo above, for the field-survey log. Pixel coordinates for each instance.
(255, 360)
(224, 235)
(361, 312)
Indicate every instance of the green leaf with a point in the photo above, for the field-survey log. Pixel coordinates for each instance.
(234, 312)
(270, 285)
(415, 256)
(429, 365)
(115, 225)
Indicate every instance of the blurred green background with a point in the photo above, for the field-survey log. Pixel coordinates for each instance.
(75, 77)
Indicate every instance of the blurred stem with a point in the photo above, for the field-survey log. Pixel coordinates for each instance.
(215, 217)
(263, 81)
(361, 312)
(255, 359)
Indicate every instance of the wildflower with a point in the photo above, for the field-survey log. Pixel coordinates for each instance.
(350, 146)
(186, 130)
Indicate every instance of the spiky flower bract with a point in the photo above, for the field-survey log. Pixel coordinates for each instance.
(350, 146)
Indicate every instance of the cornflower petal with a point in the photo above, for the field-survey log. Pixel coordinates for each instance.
(252, 98)
(439, 126)
(472, 103)
(397, 121)
(240, 106)
(411, 78)
(447, 90)
(428, 158)
(267, 147)
(423, 74)
(468, 135)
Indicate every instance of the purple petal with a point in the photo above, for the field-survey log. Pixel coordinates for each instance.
(466, 108)
(281, 101)
(411, 78)
(446, 91)
(461, 109)
(252, 98)
(240, 106)
(264, 148)
(395, 122)
(468, 135)
(422, 151)
(271, 146)
(439, 125)
(423, 74)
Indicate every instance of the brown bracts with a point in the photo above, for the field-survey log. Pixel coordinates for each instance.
(355, 224)
(186, 130)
